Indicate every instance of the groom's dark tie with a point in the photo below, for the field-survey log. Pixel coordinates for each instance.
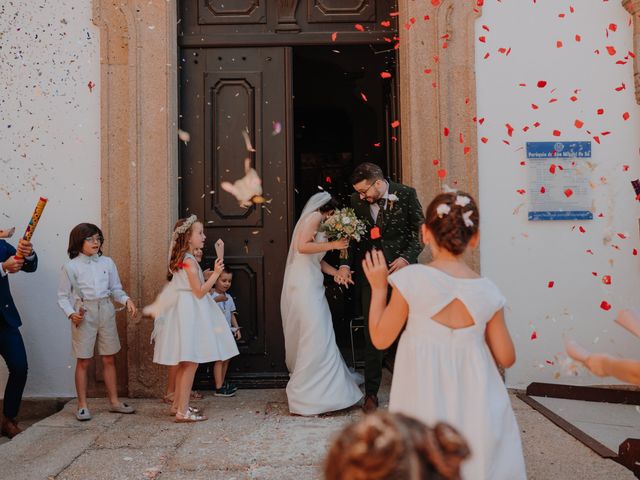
(380, 217)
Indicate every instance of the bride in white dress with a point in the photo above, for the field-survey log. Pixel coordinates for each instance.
(319, 378)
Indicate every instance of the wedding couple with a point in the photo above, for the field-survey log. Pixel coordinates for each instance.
(319, 378)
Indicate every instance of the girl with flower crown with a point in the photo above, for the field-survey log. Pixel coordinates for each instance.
(189, 327)
(446, 366)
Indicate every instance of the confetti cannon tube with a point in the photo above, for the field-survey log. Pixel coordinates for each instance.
(33, 223)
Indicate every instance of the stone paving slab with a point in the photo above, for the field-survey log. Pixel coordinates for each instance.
(250, 436)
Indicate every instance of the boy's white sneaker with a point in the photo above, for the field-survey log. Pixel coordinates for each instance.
(83, 414)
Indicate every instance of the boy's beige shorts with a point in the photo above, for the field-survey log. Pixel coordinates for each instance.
(97, 332)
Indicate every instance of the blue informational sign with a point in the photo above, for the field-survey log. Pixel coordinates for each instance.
(559, 180)
(558, 149)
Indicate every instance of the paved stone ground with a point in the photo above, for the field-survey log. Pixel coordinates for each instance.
(251, 436)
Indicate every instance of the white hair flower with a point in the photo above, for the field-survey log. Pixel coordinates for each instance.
(462, 200)
(447, 189)
(466, 216)
(442, 210)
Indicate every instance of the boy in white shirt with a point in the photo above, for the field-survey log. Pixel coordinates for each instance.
(220, 294)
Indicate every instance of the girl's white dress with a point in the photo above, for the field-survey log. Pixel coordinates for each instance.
(186, 328)
(443, 374)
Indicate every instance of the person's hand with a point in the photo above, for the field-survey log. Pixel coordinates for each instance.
(343, 277)
(237, 334)
(220, 298)
(397, 264)
(340, 244)
(24, 248)
(78, 317)
(218, 266)
(131, 308)
(13, 264)
(597, 363)
(375, 268)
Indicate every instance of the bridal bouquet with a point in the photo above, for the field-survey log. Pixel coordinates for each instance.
(344, 224)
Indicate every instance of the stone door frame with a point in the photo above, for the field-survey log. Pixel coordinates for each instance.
(139, 144)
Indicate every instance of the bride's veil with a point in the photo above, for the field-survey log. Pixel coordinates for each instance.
(314, 203)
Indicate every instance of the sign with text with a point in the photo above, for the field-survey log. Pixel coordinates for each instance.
(559, 180)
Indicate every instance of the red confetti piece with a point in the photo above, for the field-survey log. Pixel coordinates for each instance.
(427, 71)
(595, 274)
(484, 27)
(446, 132)
(573, 98)
(622, 236)
(182, 265)
(552, 168)
(436, 162)
(589, 251)
(542, 83)
(634, 252)
(385, 74)
(578, 38)
(375, 233)
(542, 189)
(550, 284)
(483, 39)
(613, 27)
(597, 139)
(534, 335)
(359, 27)
(334, 35)
(621, 87)
(509, 130)
(625, 168)
(606, 279)
(395, 124)
(521, 191)
(625, 116)
(578, 123)
(364, 97)
(557, 133)
(600, 111)
(581, 229)
(435, 3)
(467, 150)
(484, 139)
(385, 23)
(91, 86)
(534, 106)
(604, 305)
(537, 124)
(611, 50)
(559, 44)
(442, 173)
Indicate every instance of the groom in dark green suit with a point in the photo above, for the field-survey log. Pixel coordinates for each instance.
(393, 216)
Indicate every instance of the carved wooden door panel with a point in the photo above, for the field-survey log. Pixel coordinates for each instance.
(225, 91)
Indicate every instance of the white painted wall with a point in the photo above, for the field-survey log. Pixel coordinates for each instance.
(522, 256)
(49, 146)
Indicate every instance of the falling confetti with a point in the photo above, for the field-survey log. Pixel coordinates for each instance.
(184, 136)
(276, 128)
(91, 86)
(248, 189)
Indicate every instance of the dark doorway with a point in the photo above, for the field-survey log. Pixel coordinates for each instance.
(342, 111)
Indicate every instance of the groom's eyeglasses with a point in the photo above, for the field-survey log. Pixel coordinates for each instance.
(364, 193)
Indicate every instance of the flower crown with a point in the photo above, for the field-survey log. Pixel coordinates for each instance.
(462, 201)
(182, 229)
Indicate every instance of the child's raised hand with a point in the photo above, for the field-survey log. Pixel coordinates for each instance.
(218, 266)
(131, 308)
(375, 268)
(597, 364)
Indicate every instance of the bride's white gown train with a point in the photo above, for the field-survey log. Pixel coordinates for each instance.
(320, 380)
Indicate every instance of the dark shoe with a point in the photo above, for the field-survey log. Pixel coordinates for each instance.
(224, 392)
(10, 428)
(370, 403)
(230, 386)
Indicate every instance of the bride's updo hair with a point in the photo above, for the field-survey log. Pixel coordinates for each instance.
(453, 219)
(385, 446)
(332, 204)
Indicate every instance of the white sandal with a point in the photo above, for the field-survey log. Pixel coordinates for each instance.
(195, 410)
(190, 417)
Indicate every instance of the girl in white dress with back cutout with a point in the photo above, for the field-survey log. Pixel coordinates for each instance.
(446, 366)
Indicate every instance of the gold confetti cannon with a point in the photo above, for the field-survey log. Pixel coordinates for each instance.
(33, 223)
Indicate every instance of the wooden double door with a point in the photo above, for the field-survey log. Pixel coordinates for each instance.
(236, 72)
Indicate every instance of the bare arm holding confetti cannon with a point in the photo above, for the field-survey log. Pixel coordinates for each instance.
(604, 365)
